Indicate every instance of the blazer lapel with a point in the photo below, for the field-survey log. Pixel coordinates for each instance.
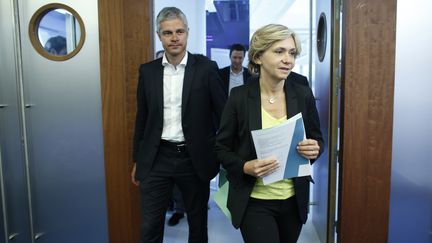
(187, 81)
(159, 86)
(254, 109)
(254, 105)
(291, 99)
(245, 75)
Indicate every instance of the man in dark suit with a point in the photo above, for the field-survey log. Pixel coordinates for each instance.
(178, 97)
(235, 74)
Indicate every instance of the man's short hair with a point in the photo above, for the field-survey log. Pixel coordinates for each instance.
(237, 47)
(170, 13)
(56, 45)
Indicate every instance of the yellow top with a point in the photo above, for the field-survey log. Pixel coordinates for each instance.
(278, 190)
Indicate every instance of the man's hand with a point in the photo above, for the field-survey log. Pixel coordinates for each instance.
(134, 181)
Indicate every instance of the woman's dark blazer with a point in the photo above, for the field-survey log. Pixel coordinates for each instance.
(234, 145)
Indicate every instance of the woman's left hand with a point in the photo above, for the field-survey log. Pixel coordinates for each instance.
(308, 148)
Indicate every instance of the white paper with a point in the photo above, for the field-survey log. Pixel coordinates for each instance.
(276, 142)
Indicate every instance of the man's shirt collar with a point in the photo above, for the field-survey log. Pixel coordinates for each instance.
(182, 63)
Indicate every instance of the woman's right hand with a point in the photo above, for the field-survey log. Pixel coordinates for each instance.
(260, 167)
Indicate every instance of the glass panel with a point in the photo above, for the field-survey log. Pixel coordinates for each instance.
(59, 32)
(322, 37)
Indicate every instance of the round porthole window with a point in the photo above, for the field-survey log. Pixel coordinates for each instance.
(322, 37)
(57, 32)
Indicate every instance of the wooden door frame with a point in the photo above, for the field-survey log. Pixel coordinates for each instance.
(368, 68)
(126, 41)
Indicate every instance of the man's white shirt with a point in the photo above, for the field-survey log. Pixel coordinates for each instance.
(236, 79)
(172, 97)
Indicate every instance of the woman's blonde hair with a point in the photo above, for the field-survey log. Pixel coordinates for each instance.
(264, 38)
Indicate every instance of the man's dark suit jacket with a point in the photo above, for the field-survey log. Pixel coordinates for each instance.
(225, 75)
(234, 145)
(203, 99)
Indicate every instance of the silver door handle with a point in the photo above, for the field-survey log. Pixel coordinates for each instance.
(28, 105)
(3, 106)
(12, 236)
(39, 235)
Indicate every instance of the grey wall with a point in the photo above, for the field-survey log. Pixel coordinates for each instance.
(411, 182)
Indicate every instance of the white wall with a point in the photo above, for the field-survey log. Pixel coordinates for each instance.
(195, 14)
(292, 13)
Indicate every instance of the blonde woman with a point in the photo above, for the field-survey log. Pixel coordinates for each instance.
(275, 212)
